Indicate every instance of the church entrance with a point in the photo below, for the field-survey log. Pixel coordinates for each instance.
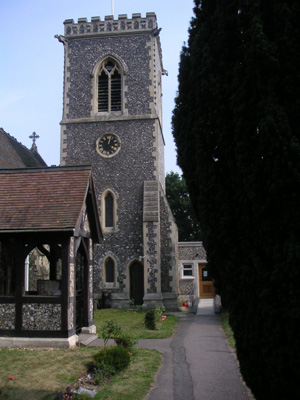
(206, 285)
(136, 274)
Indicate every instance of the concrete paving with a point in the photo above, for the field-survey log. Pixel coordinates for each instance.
(206, 307)
(197, 363)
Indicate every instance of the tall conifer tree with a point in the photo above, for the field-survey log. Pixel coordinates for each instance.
(181, 207)
(236, 127)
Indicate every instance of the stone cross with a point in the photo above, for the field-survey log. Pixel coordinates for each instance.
(34, 137)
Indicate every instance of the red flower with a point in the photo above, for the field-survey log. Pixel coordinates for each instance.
(11, 377)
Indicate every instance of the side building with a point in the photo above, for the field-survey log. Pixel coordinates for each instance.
(14, 154)
(112, 119)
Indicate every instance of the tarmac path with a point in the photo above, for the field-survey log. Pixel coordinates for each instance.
(197, 364)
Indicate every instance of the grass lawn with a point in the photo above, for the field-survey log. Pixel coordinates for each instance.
(227, 328)
(135, 382)
(38, 374)
(132, 322)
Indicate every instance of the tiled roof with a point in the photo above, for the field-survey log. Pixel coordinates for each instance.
(15, 155)
(43, 199)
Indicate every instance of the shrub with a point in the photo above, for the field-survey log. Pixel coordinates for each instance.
(103, 372)
(126, 341)
(159, 311)
(110, 330)
(150, 318)
(116, 357)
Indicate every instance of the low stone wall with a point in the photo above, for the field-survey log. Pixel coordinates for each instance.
(7, 316)
(41, 317)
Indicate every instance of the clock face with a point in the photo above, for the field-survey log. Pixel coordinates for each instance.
(108, 145)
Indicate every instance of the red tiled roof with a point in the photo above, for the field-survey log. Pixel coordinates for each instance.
(42, 199)
(14, 155)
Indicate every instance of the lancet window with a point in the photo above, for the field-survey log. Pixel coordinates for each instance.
(109, 87)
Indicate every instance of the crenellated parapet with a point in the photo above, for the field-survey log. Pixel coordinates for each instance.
(137, 24)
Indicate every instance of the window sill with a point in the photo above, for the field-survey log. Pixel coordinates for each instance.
(107, 115)
(187, 277)
(110, 285)
(110, 230)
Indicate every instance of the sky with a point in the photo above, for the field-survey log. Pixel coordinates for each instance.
(31, 64)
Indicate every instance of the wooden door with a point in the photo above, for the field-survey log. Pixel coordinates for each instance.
(206, 285)
(136, 273)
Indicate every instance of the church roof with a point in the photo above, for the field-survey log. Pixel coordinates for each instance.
(48, 199)
(14, 154)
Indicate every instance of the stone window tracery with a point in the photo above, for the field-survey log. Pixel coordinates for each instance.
(109, 87)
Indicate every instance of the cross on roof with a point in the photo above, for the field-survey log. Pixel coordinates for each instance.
(34, 137)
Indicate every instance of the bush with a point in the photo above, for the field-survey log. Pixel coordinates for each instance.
(126, 341)
(103, 372)
(111, 330)
(116, 357)
(150, 319)
(159, 311)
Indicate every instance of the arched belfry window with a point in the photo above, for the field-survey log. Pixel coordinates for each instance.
(109, 87)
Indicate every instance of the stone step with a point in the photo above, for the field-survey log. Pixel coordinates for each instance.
(84, 339)
(206, 307)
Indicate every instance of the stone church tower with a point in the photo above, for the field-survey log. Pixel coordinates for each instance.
(112, 120)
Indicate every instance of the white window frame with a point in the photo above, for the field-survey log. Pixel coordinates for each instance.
(185, 264)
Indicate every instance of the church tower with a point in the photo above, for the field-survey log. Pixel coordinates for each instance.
(112, 120)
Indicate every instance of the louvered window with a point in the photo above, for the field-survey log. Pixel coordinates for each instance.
(109, 87)
(116, 91)
(103, 92)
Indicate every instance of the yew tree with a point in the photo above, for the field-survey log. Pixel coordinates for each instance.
(237, 131)
(181, 206)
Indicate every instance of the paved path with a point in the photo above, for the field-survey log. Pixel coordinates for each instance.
(197, 362)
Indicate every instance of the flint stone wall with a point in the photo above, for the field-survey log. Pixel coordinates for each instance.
(41, 317)
(187, 287)
(7, 316)
(192, 252)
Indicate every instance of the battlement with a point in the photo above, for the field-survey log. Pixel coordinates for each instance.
(110, 25)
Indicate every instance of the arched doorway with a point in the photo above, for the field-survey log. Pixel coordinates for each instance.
(136, 274)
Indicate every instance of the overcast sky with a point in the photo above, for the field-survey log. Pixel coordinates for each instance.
(31, 66)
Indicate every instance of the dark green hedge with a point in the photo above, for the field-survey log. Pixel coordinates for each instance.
(237, 132)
